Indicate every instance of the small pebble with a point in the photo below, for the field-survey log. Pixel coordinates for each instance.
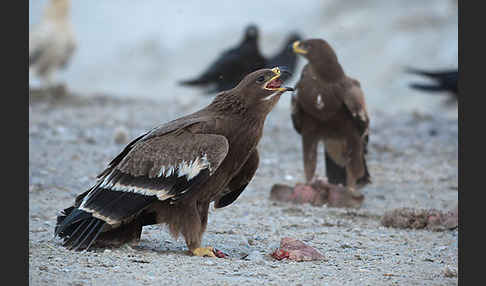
(450, 272)
(43, 268)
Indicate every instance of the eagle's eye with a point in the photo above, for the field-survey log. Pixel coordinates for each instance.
(261, 79)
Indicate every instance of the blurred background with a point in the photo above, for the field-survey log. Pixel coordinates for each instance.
(143, 48)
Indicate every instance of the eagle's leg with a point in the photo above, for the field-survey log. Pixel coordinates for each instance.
(193, 230)
(203, 209)
(309, 142)
(354, 166)
(351, 180)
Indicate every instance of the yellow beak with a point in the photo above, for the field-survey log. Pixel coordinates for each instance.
(297, 49)
(277, 73)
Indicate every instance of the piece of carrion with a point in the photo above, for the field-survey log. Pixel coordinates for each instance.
(317, 193)
(294, 249)
(430, 219)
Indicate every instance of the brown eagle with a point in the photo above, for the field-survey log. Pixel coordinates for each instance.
(172, 173)
(330, 106)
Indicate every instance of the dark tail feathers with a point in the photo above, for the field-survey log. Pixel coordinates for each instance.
(335, 174)
(437, 74)
(445, 80)
(78, 228)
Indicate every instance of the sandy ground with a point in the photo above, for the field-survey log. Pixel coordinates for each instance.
(413, 161)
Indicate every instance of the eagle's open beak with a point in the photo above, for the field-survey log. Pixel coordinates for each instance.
(275, 82)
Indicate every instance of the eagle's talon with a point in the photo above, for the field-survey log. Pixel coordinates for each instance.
(203, 252)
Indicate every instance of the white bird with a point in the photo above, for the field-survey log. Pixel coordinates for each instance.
(51, 41)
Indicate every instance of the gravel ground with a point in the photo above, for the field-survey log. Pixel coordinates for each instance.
(413, 161)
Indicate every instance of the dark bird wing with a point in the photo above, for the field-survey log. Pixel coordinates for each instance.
(230, 68)
(445, 80)
(239, 182)
(354, 101)
(219, 67)
(439, 74)
(157, 166)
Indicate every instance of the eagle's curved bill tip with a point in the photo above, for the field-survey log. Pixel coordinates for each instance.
(281, 74)
(297, 49)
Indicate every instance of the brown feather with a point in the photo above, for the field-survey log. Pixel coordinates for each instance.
(150, 156)
(239, 182)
